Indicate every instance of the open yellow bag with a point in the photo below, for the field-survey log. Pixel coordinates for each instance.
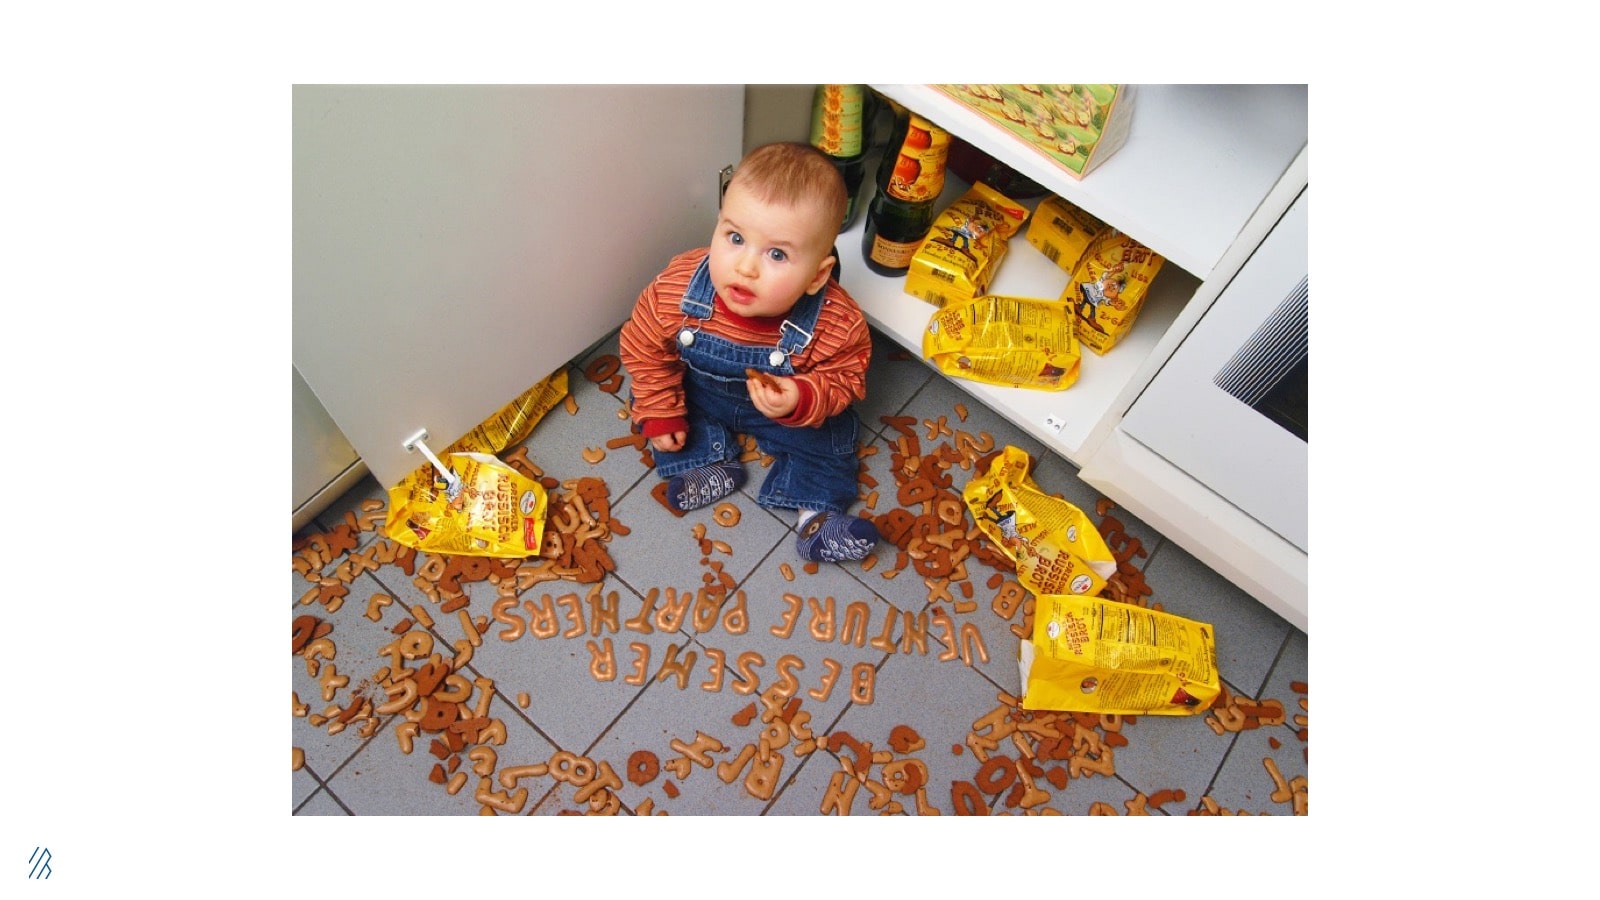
(1013, 341)
(1056, 547)
(1093, 655)
(514, 422)
(495, 510)
(1086, 654)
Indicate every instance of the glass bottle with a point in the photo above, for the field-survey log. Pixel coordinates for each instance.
(841, 121)
(910, 179)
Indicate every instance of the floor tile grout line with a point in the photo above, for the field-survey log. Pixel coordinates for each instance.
(323, 789)
(360, 748)
(777, 795)
(1277, 659)
(1222, 764)
(321, 785)
(518, 710)
(827, 730)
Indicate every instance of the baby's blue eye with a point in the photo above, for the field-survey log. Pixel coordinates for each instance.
(777, 255)
(735, 237)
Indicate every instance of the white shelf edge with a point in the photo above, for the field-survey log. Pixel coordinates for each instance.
(1255, 558)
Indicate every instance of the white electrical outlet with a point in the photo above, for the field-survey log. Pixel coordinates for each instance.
(1055, 424)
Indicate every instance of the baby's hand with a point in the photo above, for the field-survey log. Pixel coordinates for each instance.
(671, 442)
(775, 396)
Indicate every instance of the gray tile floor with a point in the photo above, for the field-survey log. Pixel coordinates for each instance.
(801, 694)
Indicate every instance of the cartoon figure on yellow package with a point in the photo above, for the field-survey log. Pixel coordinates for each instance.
(1108, 288)
(960, 235)
(1104, 290)
(1055, 546)
(965, 246)
(1004, 515)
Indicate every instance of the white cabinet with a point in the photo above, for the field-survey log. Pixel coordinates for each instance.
(1212, 408)
(1205, 174)
(453, 245)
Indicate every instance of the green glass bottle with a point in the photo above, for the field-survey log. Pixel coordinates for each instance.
(910, 179)
(895, 228)
(841, 118)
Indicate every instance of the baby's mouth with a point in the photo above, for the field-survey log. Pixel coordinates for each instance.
(737, 294)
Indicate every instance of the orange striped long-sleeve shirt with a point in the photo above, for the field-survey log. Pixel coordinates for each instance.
(831, 371)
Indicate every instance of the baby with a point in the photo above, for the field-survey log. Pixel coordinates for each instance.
(753, 336)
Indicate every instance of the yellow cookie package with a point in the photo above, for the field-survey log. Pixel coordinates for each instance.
(1108, 287)
(1062, 232)
(1056, 548)
(1011, 341)
(1086, 654)
(960, 255)
(1094, 655)
(492, 509)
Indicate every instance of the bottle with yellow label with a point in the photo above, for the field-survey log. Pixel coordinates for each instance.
(910, 178)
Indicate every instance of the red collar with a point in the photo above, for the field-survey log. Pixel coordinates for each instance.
(770, 324)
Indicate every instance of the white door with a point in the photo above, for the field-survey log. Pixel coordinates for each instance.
(453, 245)
(1229, 407)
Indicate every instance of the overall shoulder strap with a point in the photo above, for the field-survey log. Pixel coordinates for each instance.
(697, 298)
(795, 333)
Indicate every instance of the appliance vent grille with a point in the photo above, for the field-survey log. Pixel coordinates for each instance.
(1269, 373)
(1281, 343)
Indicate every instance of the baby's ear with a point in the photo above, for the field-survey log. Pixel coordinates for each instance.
(824, 269)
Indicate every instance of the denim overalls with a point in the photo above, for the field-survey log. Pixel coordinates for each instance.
(812, 468)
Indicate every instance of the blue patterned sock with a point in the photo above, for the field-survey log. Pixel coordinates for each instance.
(835, 537)
(704, 486)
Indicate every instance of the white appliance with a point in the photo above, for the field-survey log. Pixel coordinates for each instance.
(1230, 406)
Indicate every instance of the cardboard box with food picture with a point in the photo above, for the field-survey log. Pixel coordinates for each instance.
(1076, 126)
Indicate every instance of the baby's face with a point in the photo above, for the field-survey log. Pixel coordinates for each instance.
(766, 256)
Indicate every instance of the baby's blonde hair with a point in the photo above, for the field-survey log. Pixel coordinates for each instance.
(793, 174)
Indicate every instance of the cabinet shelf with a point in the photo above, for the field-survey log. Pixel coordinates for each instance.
(1065, 421)
(1198, 161)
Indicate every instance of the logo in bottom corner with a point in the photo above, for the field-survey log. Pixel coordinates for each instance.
(39, 863)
